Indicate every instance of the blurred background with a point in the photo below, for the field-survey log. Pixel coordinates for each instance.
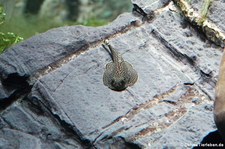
(25, 18)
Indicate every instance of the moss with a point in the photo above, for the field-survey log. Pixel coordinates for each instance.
(8, 39)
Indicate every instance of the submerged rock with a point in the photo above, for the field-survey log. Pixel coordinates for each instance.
(52, 93)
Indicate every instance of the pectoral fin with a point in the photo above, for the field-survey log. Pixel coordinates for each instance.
(130, 75)
(108, 74)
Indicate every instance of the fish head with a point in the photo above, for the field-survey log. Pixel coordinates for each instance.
(118, 84)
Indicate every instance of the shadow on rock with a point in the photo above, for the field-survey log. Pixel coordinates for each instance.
(213, 139)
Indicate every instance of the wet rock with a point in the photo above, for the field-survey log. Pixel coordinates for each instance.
(53, 93)
(48, 51)
(215, 14)
(25, 125)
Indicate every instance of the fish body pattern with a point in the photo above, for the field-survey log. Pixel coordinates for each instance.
(118, 74)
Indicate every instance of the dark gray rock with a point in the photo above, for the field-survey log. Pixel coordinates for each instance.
(48, 51)
(215, 14)
(20, 120)
(18, 140)
(150, 5)
(53, 93)
(25, 126)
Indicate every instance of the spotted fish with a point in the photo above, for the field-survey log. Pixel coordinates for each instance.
(118, 74)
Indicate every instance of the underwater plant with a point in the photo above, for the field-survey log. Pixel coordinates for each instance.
(9, 38)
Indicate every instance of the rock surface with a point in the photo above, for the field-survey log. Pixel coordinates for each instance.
(52, 94)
